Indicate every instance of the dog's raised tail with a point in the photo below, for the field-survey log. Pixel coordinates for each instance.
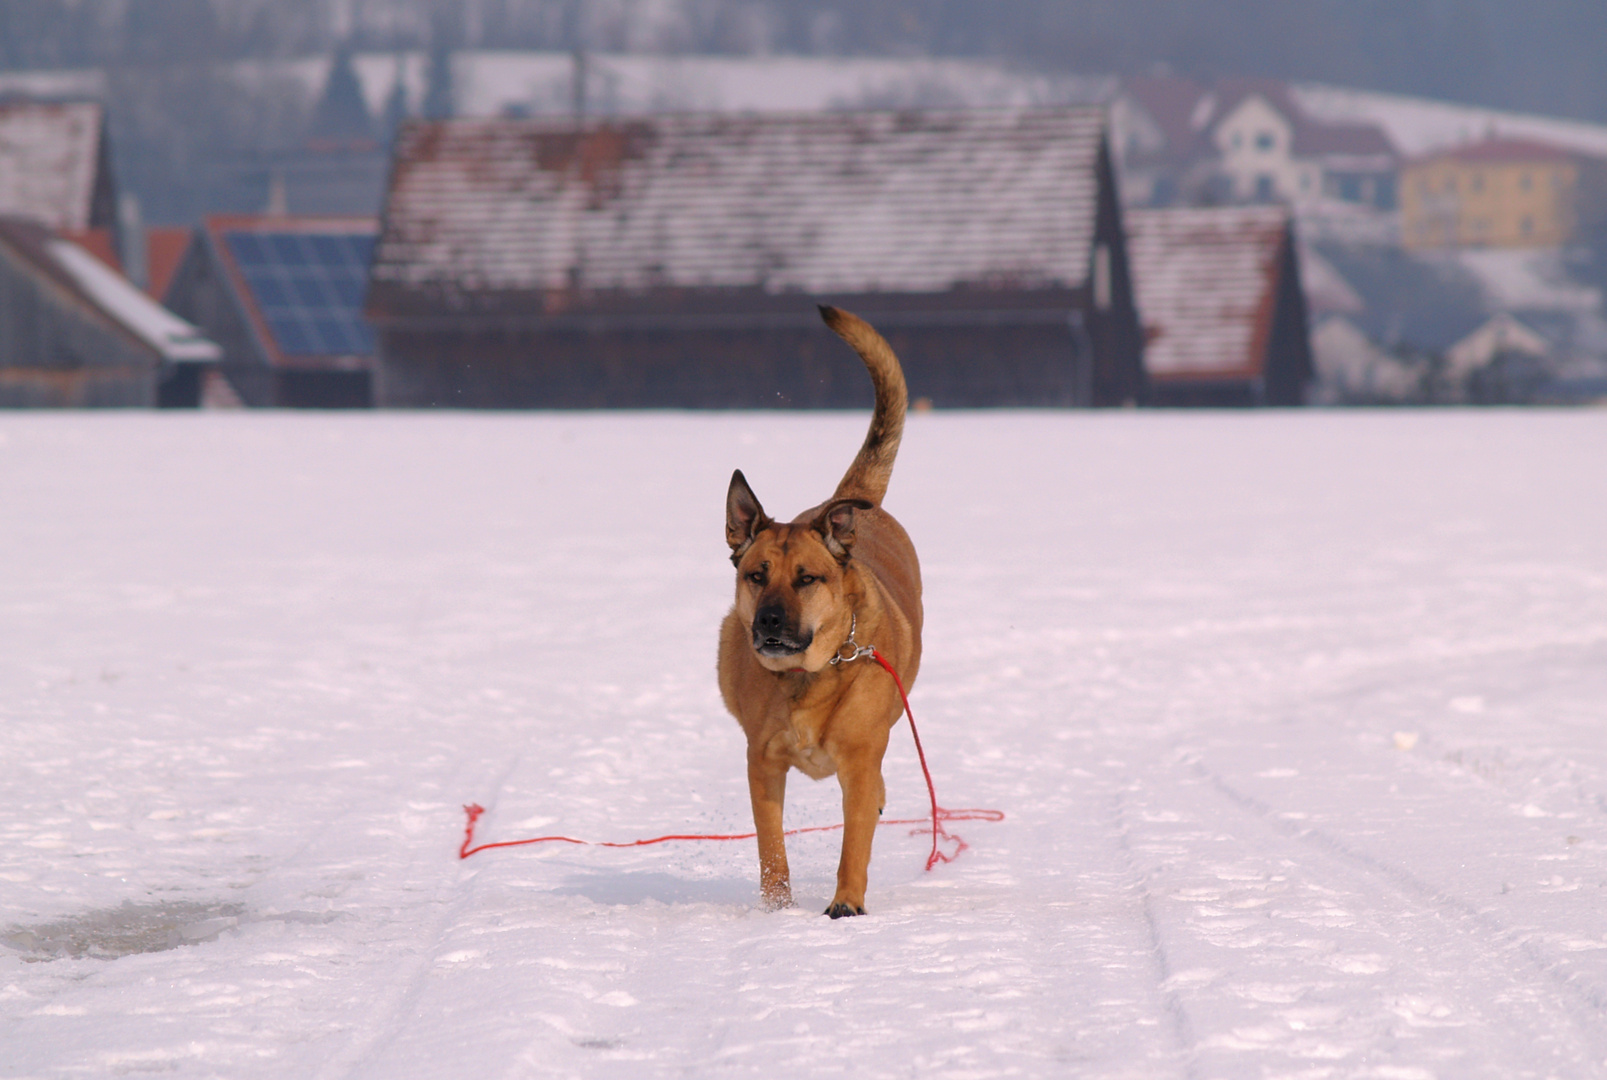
(867, 477)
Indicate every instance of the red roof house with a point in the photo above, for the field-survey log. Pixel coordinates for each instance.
(1219, 297)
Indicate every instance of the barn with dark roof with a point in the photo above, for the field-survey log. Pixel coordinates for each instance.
(676, 261)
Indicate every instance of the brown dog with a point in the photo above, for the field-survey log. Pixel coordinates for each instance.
(809, 594)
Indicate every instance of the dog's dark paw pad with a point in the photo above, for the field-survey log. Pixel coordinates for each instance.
(840, 910)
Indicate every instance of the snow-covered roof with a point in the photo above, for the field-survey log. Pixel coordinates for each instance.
(1205, 281)
(49, 161)
(170, 336)
(903, 202)
(1502, 333)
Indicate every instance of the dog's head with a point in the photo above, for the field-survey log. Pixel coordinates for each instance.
(790, 579)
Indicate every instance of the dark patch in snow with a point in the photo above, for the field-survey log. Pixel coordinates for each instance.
(124, 931)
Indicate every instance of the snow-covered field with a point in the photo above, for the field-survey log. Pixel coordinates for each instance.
(1296, 718)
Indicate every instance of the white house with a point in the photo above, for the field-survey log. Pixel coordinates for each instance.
(1501, 334)
(1269, 149)
(1244, 140)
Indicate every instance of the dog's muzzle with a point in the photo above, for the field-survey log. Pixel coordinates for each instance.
(773, 637)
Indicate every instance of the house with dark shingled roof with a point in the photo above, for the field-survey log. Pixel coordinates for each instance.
(676, 261)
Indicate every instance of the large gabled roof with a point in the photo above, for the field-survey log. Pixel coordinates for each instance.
(50, 162)
(893, 202)
(1205, 281)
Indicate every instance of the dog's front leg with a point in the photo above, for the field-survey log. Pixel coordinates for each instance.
(767, 785)
(863, 797)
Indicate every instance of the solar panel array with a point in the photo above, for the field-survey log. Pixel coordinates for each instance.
(309, 288)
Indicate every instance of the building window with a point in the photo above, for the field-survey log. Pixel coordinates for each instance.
(1265, 140)
(1264, 189)
(1526, 226)
(1477, 182)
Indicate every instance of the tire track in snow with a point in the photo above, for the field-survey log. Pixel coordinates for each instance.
(404, 984)
(1182, 1030)
(1457, 912)
(1284, 953)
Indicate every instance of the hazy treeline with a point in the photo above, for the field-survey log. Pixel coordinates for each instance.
(1543, 55)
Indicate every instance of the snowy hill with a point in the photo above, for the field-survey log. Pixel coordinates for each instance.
(1295, 718)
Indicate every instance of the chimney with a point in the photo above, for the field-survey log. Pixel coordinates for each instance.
(131, 241)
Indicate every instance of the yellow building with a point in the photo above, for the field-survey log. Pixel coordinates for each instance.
(1498, 193)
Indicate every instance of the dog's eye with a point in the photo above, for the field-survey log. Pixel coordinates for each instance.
(757, 577)
(806, 579)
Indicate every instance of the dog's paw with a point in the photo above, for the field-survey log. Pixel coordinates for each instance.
(840, 910)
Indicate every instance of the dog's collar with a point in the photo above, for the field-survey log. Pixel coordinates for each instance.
(851, 650)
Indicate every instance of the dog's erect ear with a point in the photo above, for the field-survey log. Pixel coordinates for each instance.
(744, 517)
(836, 526)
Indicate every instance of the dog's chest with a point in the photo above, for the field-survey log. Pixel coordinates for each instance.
(813, 762)
(799, 741)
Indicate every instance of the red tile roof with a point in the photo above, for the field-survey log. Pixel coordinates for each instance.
(1504, 151)
(1175, 104)
(1204, 279)
(164, 250)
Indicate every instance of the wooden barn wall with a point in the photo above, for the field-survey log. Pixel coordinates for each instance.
(1289, 366)
(953, 367)
(55, 353)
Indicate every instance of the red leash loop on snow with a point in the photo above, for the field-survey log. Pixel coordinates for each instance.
(939, 814)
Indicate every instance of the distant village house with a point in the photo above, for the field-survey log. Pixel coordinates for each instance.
(1495, 193)
(1244, 140)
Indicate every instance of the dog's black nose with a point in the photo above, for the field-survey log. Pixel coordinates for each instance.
(770, 620)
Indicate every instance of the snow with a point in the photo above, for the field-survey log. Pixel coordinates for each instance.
(171, 337)
(1421, 126)
(1527, 280)
(49, 161)
(1295, 718)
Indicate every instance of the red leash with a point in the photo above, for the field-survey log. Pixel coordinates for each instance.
(939, 814)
